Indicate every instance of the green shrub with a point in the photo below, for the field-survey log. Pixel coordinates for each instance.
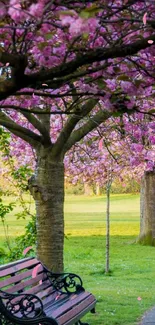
(2, 252)
(77, 189)
(24, 241)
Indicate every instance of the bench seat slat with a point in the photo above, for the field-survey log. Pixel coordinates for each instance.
(55, 304)
(77, 313)
(46, 292)
(73, 299)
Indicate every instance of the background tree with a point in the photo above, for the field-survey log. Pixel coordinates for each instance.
(147, 209)
(81, 60)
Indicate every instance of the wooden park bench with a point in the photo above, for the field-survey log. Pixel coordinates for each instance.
(32, 295)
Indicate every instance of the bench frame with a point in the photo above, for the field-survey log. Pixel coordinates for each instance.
(69, 284)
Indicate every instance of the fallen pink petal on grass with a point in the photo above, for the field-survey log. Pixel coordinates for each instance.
(26, 250)
(7, 64)
(45, 85)
(150, 41)
(139, 298)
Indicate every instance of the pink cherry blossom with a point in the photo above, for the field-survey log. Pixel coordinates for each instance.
(36, 10)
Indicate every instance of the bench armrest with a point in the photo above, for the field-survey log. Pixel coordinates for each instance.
(65, 282)
(23, 308)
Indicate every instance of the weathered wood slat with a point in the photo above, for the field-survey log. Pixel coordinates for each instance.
(38, 288)
(24, 284)
(14, 279)
(55, 297)
(18, 278)
(18, 267)
(55, 304)
(73, 300)
(8, 265)
(46, 292)
(71, 318)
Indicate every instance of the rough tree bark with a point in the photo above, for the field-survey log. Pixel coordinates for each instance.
(147, 210)
(47, 188)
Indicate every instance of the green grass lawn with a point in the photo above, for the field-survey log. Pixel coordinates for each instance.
(132, 266)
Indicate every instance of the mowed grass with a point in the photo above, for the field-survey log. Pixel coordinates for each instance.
(86, 216)
(132, 266)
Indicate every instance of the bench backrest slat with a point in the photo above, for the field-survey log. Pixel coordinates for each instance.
(25, 284)
(15, 279)
(8, 270)
(4, 266)
(18, 277)
(38, 288)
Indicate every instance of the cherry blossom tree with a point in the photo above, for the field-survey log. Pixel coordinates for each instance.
(66, 69)
(130, 142)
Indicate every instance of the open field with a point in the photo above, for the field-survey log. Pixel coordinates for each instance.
(85, 216)
(132, 266)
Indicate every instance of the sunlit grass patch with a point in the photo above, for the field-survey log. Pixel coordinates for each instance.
(132, 270)
(85, 216)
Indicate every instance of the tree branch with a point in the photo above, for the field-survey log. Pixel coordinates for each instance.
(91, 56)
(66, 94)
(36, 111)
(52, 75)
(93, 122)
(37, 124)
(20, 131)
(71, 123)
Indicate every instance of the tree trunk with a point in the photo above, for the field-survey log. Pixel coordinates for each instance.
(147, 209)
(98, 189)
(87, 189)
(108, 187)
(47, 188)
